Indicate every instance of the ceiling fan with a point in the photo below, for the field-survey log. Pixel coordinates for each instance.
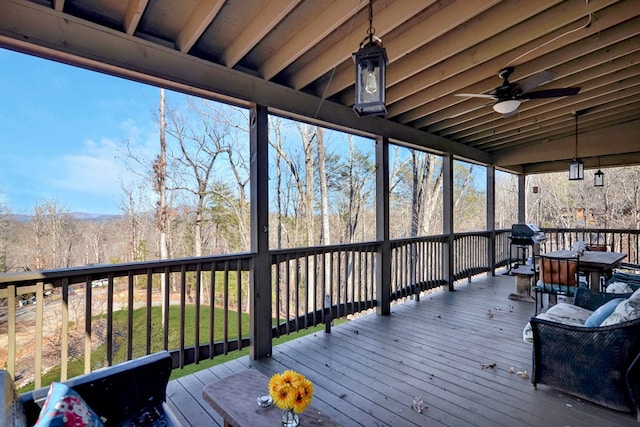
(508, 95)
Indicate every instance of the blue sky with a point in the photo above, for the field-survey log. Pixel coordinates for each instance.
(60, 129)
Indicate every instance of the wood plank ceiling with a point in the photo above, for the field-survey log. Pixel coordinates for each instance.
(294, 56)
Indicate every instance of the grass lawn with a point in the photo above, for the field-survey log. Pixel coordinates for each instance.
(235, 323)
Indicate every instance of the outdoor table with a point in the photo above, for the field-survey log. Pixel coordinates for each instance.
(595, 263)
(235, 399)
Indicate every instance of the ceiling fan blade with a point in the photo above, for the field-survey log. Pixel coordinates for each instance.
(550, 93)
(535, 81)
(475, 95)
(471, 110)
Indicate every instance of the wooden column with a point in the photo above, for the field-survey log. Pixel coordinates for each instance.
(491, 218)
(447, 219)
(260, 276)
(522, 195)
(383, 257)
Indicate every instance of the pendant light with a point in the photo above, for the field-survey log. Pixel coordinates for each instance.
(576, 167)
(598, 177)
(371, 63)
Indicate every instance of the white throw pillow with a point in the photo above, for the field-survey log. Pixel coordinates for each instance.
(619, 288)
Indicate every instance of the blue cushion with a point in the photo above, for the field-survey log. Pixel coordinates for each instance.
(602, 312)
(65, 408)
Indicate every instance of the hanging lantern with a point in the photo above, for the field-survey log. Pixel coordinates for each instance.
(576, 170)
(576, 167)
(598, 179)
(371, 63)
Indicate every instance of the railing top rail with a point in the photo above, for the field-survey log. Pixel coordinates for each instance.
(590, 230)
(406, 240)
(103, 270)
(365, 246)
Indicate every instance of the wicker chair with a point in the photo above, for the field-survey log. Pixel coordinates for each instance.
(600, 364)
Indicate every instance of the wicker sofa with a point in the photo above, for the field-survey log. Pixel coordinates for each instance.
(128, 394)
(599, 364)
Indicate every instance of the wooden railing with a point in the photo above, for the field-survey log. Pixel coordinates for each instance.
(106, 314)
(198, 308)
(417, 265)
(615, 240)
(315, 285)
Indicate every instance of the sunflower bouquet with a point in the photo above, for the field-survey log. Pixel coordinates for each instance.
(291, 391)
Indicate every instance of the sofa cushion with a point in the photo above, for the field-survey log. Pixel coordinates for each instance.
(563, 312)
(602, 312)
(65, 408)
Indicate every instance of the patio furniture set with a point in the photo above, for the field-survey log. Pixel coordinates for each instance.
(589, 348)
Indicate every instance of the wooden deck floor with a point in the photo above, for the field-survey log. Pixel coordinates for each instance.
(367, 372)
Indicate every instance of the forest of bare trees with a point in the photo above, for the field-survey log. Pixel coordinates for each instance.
(191, 198)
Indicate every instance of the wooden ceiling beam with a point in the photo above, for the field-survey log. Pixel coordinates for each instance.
(606, 113)
(562, 150)
(200, 19)
(308, 36)
(385, 21)
(452, 18)
(595, 90)
(534, 111)
(135, 9)
(423, 107)
(255, 31)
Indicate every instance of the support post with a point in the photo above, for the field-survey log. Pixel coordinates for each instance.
(383, 256)
(491, 218)
(522, 193)
(447, 222)
(260, 276)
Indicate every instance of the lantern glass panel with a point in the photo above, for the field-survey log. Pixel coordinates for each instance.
(576, 170)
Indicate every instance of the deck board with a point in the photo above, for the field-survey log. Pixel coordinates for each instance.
(368, 371)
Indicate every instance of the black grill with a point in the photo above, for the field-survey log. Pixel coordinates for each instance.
(526, 234)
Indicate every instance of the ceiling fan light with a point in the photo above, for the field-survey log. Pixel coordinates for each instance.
(506, 107)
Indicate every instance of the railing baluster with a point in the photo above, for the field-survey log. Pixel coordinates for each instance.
(11, 329)
(196, 332)
(109, 336)
(64, 335)
(212, 309)
(225, 296)
(87, 324)
(239, 303)
(183, 305)
(130, 304)
(166, 301)
(39, 333)
(288, 292)
(149, 308)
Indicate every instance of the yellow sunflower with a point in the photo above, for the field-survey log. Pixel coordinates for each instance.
(290, 390)
(302, 394)
(280, 392)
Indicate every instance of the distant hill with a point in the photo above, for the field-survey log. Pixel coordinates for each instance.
(82, 216)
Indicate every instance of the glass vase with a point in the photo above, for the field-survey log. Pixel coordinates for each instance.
(290, 418)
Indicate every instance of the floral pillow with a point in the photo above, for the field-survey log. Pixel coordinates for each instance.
(627, 310)
(65, 408)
